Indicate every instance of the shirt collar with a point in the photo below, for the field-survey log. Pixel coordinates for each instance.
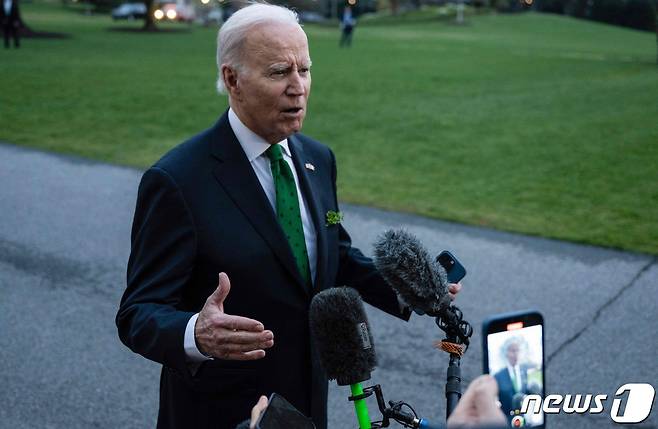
(252, 144)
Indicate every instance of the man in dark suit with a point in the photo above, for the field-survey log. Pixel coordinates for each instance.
(10, 20)
(255, 201)
(512, 379)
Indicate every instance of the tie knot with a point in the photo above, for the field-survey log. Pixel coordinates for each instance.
(274, 152)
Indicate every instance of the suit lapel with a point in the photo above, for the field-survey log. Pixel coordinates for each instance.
(238, 179)
(311, 187)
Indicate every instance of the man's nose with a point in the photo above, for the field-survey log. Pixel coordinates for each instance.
(295, 84)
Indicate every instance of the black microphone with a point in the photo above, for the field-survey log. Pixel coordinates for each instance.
(421, 282)
(340, 327)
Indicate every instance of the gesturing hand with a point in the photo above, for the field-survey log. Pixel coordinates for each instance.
(229, 337)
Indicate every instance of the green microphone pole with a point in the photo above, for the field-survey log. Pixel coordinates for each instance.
(360, 407)
(344, 343)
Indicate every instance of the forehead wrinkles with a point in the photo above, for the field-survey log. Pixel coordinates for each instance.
(274, 43)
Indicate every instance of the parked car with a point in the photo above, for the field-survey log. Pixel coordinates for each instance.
(129, 11)
(174, 12)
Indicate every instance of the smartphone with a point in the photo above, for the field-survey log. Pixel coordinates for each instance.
(454, 269)
(513, 352)
(280, 414)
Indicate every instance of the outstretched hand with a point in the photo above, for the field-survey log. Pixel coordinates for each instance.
(225, 336)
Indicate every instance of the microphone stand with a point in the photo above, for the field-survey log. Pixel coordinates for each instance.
(394, 411)
(458, 333)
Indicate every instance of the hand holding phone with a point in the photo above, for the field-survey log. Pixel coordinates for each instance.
(280, 414)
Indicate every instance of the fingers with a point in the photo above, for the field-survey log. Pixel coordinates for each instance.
(218, 335)
(243, 337)
(251, 355)
(220, 294)
(478, 405)
(247, 347)
(256, 412)
(485, 396)
(238, 323)
(481, 387)
(454, 289)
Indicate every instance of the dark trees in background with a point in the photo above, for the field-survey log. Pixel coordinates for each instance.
(638, 14)
(149, 20)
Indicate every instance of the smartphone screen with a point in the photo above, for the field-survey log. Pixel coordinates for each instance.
(515, 357)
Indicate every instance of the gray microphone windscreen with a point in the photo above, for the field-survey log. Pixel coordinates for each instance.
(420, 281)
(340, 328)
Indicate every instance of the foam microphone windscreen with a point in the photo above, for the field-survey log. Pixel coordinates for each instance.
(340, 328)
(405, 264)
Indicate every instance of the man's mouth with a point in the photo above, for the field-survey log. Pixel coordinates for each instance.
(293, 110)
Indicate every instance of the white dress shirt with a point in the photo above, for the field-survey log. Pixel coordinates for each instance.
(7, 6)
(254, 148)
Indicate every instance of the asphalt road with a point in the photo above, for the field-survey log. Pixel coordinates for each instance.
(64, 243)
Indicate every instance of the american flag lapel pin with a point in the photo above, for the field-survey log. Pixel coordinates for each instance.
(309, 166)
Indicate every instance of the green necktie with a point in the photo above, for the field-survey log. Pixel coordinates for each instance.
(287, 208)
(515, 381)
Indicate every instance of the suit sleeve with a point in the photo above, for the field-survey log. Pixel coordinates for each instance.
(163, 248)
(359, 272)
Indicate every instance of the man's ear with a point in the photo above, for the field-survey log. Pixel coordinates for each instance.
(230, 77)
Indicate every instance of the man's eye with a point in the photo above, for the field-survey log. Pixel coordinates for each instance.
(304, 70)
(278, 73)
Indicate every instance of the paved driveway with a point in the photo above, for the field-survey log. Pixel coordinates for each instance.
(64, 243)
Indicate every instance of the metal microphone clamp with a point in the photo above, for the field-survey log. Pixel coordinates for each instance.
(458, 337)
(392, 411)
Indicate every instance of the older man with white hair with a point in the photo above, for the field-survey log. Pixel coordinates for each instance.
(234, 232)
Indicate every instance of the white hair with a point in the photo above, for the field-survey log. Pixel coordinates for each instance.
(233, 32)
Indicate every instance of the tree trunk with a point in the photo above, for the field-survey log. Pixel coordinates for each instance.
(394, 7)
(149, 20)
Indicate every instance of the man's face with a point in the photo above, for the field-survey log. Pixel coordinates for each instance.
(273, 85)
(513, 353)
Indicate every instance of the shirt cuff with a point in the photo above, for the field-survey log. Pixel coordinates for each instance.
(191, 351)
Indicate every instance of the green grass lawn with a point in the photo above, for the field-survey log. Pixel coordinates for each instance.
(532, 123)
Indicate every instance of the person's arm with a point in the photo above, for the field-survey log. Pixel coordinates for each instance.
(160, 268)
(163, 251)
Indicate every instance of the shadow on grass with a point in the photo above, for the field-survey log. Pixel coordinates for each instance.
(28, 33)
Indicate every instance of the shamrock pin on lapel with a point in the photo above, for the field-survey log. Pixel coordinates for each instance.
(334, 218)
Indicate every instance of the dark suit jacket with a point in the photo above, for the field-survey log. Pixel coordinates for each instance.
(201, 210)
(506, 389)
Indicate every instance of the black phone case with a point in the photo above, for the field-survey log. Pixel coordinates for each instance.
(453, 267)
(280, 414)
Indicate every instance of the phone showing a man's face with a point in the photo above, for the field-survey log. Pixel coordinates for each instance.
(514, 355)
